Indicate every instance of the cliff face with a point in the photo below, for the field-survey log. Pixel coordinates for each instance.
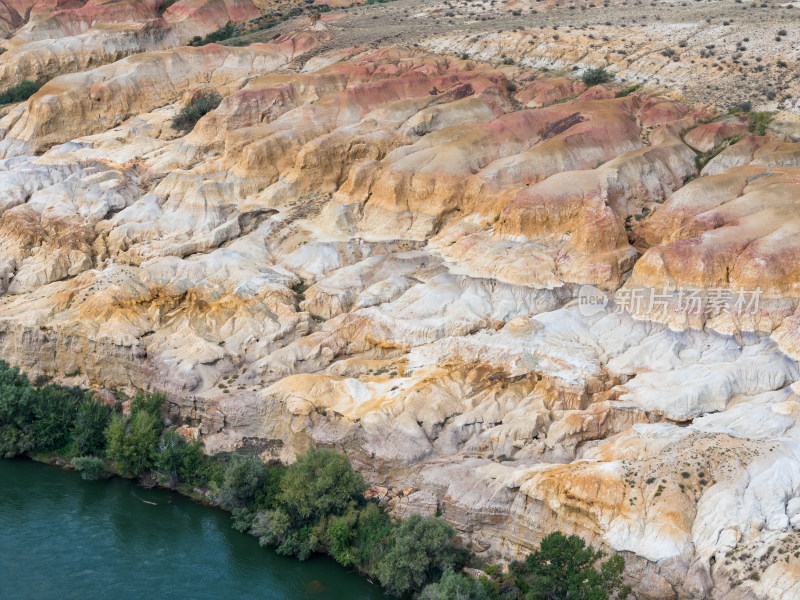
(392, 250)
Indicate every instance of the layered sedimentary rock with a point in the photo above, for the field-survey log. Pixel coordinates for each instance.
(390, 251)
(50, 39)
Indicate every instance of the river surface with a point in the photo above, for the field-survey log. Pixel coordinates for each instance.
(63, 538)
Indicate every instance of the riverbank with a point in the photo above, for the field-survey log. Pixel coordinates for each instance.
(53, 459)
(316, 505)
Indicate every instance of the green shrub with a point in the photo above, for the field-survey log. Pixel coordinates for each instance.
(341, 536)
(457, 586)
(20, 92)
(358, 537)
(374, 530)
(192, 468)
(54, 411)
(703, 158)
(563, 567)
(16, 411)
(217, 36)
(90, 467)
(628, 90)
(247, 483)
(320, 485)
(133, 441)
(164, 6)
(14, 441)
(511, 585)
(34, 417)
(210, 472)
(190, 114)
(88, 430)
(151, 403)
(596, 76)
(178, 460)
(419, 550)
(759, 121)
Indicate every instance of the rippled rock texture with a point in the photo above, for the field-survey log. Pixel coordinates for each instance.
(388, 251)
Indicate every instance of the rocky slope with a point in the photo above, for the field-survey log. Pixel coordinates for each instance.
(529, 303)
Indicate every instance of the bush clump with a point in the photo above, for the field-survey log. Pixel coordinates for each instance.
(178, 460)
(133, 441)
(454, 585)
(20, 92)
(88, 430)
(596, 76)
(759, 121)
(90, 467)
(42, 417)
(191, 113)
(247, 483)
(216, 36)
(564, 567)
(420, 550)
(34, 417)
(628, 90)
(319, 486)
(164, 6)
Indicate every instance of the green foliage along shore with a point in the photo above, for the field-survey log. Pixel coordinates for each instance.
(315, 505)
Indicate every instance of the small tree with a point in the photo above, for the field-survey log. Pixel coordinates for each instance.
(193, 468)
(151, 403)
(190, 114)
(596, 76)
(170, 455)
(759, 121)
(133, 442)
(88, 431)
(243, 481)
(341, 538)
(216, 36)
(54, 410)
(14, 440)
(456, 586)
(319, 486)
(420, 548)
(358, 537)
(90, 467)
(17, 399)
(564, 567)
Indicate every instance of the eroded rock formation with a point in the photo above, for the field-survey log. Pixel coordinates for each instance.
(386, 250)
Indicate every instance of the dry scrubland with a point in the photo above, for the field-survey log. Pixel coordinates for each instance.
(375, 238)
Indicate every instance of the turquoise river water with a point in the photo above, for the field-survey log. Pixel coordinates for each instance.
(63, 538)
